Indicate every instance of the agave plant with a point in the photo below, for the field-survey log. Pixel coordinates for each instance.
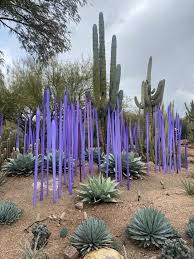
(95, 155)
(90, 235)
(175, 249)
(99, 189)
(190, 229)
(9, 212)
(23, 164)
(150, 227)
(136, 167)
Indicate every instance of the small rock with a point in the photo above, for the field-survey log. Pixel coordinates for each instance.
(71, 253)
(38, 217)
(104, 253)
(79, 205)
(153, 257)
(167, 193)
(62, 216)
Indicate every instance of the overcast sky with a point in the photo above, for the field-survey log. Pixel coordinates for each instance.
(161, 28)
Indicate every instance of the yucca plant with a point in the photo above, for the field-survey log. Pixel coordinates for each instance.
(99, 189)
(90, 235)
(137, 168)
(23, 164)
(149, 227)
(188, 186)
(190, 229)
(175, 249)
(9, 212)
(95, 155)
(29, 253)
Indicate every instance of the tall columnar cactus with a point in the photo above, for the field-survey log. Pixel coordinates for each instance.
(190, 112)
(99, 69)
(150, 98)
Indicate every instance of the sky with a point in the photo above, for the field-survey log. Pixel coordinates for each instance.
(162, 29)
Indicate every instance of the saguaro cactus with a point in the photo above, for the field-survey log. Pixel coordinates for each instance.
(150, 98)
(99, 69)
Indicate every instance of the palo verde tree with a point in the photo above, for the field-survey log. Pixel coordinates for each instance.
(41, 26)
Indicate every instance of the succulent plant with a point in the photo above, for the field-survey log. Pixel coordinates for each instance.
(99, 189)
(149, 227)
(63, 232)
(95, 155)
(23, 164)
(29, 253)
(90, 235)
(190, 229)
(175, 249)
(41, 235)
(137, 168)
(9, 212)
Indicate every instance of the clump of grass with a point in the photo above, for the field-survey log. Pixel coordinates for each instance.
(188, 186)
(33, 253)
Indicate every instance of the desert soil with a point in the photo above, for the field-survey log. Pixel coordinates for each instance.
(173, 201)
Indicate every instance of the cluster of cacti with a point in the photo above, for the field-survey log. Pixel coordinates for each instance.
(90, 235)
(99, 189)
(150, 98)
(41, 235)
(190, 229)
(175, 249)
(137, 167)
(149, 227)
(23, 164)
(99, 69)
(9, 212)
(190, 112)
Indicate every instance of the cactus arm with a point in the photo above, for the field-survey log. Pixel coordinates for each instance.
(120, 97)
(115, 89)
(138, 104)
(156, 99)
(96, 79)
(113, 68)
(149, 71)
(102, 60)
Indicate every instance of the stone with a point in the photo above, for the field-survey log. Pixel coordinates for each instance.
(153, 257)
(104, 253)
(79, 205)
(62, 216)
(70, 252)
(85, 215)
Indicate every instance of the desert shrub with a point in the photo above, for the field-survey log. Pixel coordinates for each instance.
(99, 189)
(175, 249)
(90, 235)
(23, 164)
(40, 235)
(137, 168)
(188, 186)
(29, 253)
(9, 212)
(149, 227)
(63, 232)
(190, 229)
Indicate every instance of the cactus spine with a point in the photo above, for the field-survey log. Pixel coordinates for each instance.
(99, 69)
(150, 98)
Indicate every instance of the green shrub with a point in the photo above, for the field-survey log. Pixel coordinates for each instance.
(22, 165)
(9, 212)
(99, 189)
(175, 249)
(137, 168)
(190, 229)
(149, 227)
(63, 232)
(29, 253)
(95, 155)
(188, 186)
(90, 235)
(40, 235)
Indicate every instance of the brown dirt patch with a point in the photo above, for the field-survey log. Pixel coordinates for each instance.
(172, 200)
